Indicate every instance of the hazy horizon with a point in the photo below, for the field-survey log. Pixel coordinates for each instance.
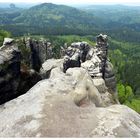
(73, 2)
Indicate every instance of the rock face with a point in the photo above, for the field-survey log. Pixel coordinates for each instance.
(67, 105)
(16, 78)
(9, 70)
(13, 80)
(40, 50)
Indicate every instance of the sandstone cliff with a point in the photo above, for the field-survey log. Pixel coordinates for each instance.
(14, 80)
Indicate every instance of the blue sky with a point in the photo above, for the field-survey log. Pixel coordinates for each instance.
(77, 1)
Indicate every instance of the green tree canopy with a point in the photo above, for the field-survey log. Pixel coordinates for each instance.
(3, 34)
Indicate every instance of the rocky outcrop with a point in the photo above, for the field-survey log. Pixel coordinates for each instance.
(49, 65)
(14, 81)
(94, 59)
(9, 70)
(20, 63)
(40, 50)
(75, 99)
(67, 105)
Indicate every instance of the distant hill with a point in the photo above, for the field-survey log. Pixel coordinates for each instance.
(119, 21)
(119, 15)
(51, 14)
(48, 17)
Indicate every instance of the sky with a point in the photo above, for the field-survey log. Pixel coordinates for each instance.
(77, 1)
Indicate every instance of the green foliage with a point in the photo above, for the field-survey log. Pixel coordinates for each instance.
(134, 104)
(120, 22)
(7, 15)
(125, 93)
(25, 52)
(3, 34)
(74, 38)
(127, 97)
(121, 93)
(129, 93)
(125, 57)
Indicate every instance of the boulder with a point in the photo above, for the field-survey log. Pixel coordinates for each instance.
(84, 87)
(48, 65)
(8, 41)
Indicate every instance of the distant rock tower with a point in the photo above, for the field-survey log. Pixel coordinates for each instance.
(102, 46)
(94, 59)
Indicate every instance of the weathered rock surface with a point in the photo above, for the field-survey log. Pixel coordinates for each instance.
(50, 64)
(66, 105)
(9, 70)
(109, 77)
(8, 41)
(94, 59)
(13, 80)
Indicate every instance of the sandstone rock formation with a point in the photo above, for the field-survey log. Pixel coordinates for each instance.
(13, 80)
(67, 105)
(75, 99)
(9, 70)
(92, 58)
(17, 78)
(50, 64)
